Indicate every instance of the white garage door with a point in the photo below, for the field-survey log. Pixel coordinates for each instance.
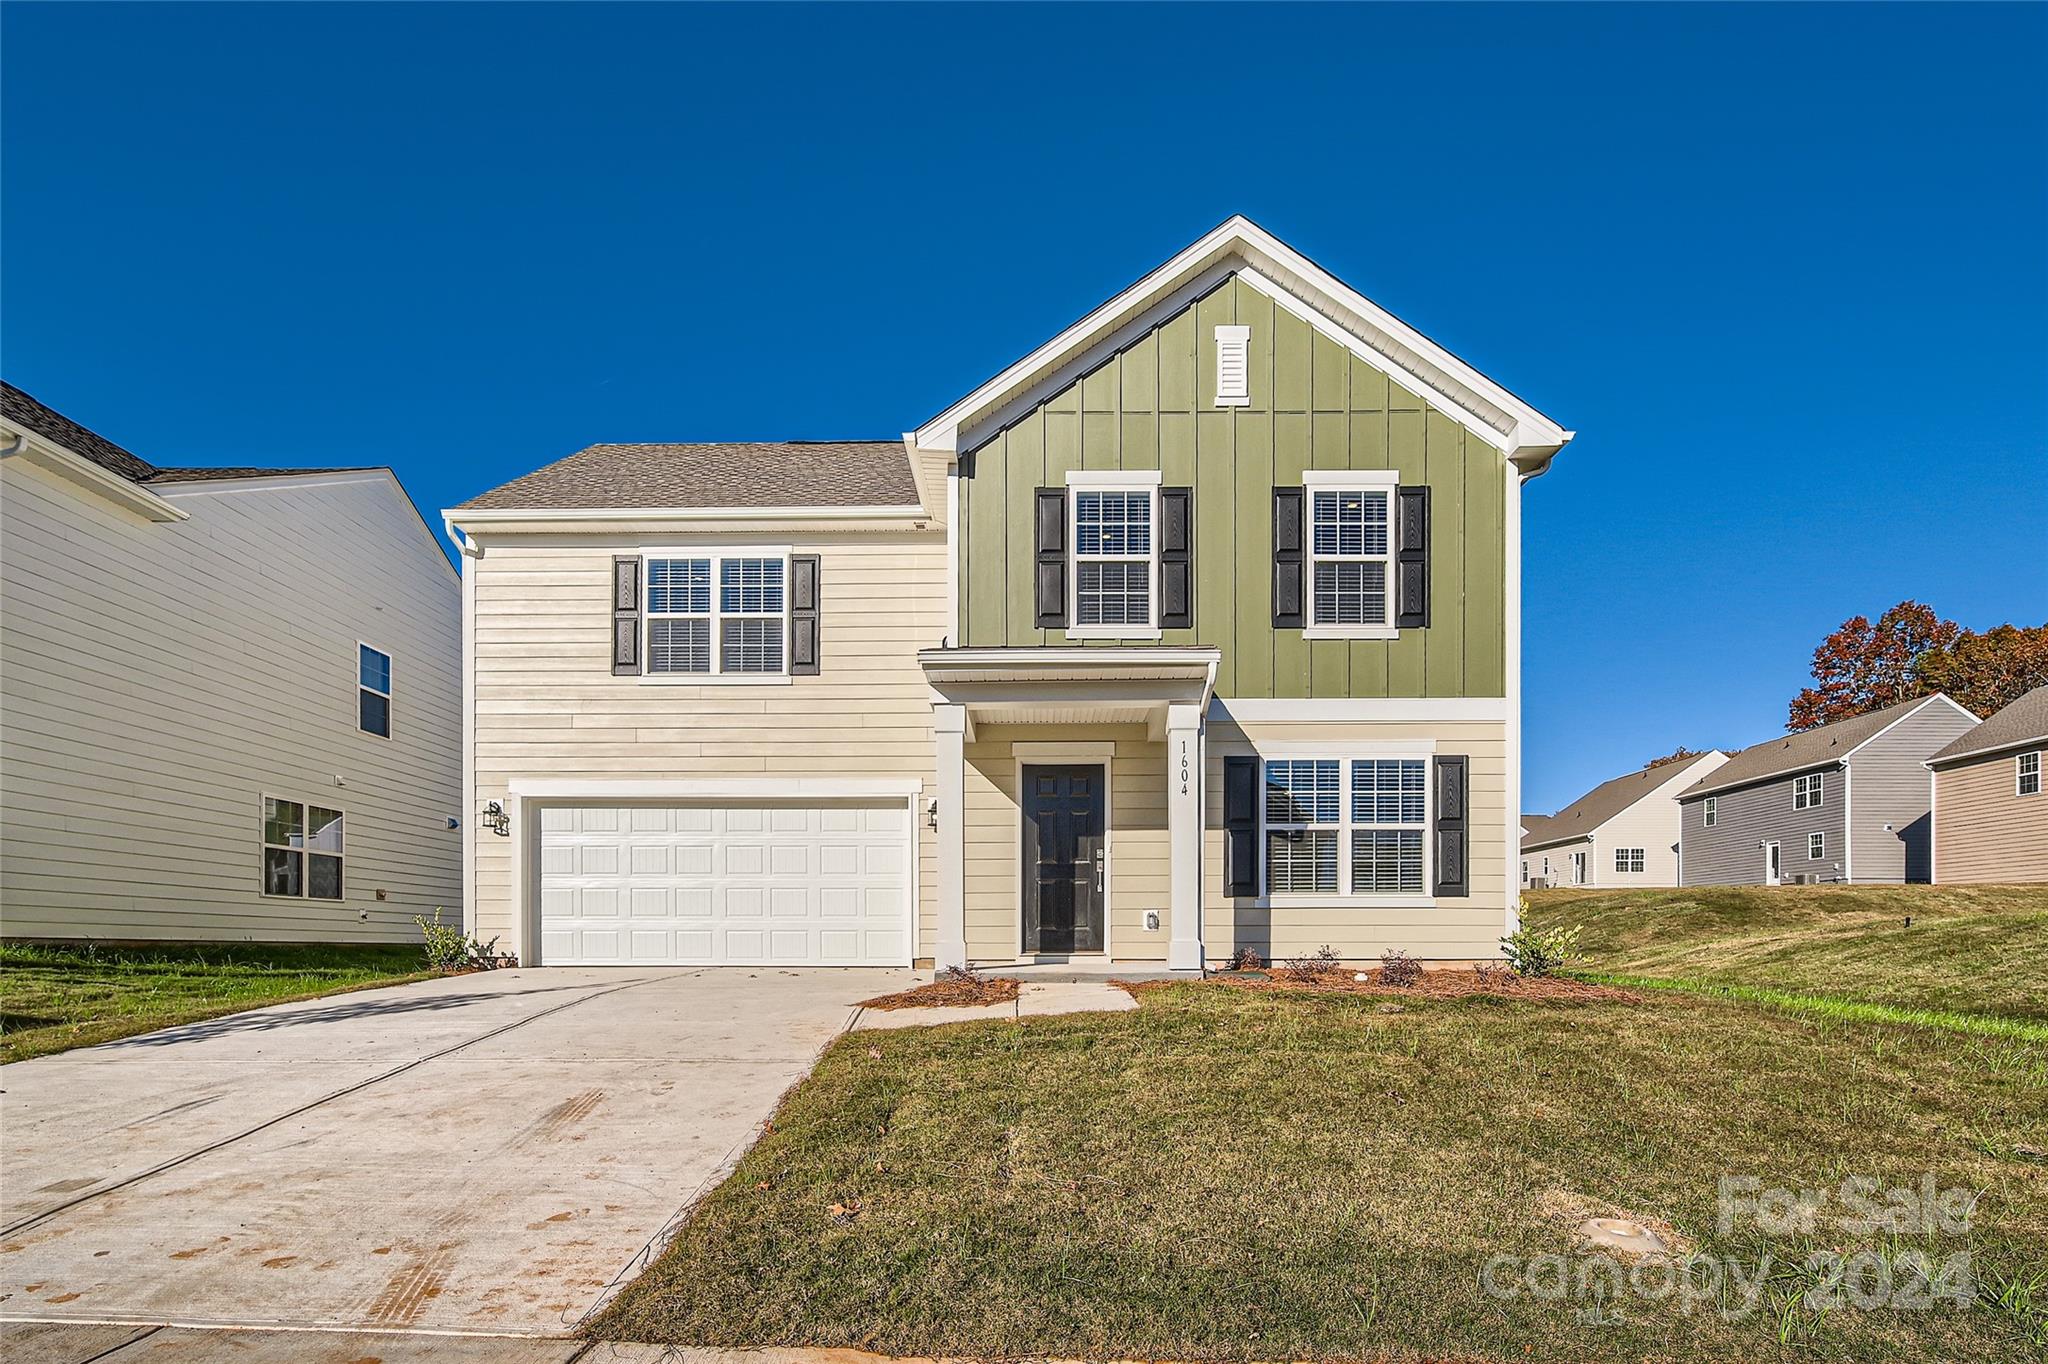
(739, 885)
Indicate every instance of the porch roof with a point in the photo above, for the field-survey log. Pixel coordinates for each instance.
(1072, 686)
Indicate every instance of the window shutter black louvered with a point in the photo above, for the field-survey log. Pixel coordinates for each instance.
(1049, 542)
(625, 616)
(1453, 825)
(1288, 593)
(803, 615)
(1411, 563)
(1176, 558)
(1241, 826)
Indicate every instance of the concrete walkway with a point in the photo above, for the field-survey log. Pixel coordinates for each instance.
(484, 1153)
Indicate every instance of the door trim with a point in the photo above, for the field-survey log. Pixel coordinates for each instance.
(1103, 752)
(1774, 862)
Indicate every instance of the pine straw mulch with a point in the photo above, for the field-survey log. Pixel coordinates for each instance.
(954, 989)
(1499, 983)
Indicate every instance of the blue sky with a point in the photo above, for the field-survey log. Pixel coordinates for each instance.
(1782, 267)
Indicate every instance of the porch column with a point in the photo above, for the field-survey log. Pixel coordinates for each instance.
(1184, 835)
(949, 726)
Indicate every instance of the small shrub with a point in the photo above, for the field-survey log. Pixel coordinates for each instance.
(448, 948)
(1245, 959)
(1540, 951)
(1324, 962)
(1399, 969)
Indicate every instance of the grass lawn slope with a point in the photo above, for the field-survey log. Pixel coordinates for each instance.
(53, 998)
(1263, 1175)
(1969, 949)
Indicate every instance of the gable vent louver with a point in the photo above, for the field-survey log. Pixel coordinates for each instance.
(1233, 367)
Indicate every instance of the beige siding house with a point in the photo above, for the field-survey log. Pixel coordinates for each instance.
(1196, 630)
(1621, 833)
(232, 698)
(1990, 812)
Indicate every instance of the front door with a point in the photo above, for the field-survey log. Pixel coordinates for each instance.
(1771, 873)
(1064, 858)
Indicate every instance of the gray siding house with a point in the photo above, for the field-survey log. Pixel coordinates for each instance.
(1846, 802)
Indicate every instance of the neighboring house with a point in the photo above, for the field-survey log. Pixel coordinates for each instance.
(1990, 815)
(1197, 628)
(1532, 824)
(1623, 832)
(232, 698)
(1845, 802)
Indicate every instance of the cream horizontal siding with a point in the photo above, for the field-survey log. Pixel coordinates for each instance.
(1138, 861)
(548, 706)
(159, 678)
(1460, 929)
(1984, 832)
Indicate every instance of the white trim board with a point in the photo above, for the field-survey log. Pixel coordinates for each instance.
(722, 788)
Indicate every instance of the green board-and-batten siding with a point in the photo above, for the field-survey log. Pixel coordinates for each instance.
(1314, 405)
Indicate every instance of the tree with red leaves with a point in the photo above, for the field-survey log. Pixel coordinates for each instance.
(1863, 667)
(1675, 755)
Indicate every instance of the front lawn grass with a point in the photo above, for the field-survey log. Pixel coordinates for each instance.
(1246, 1175)
(53, 998)
(1968, 949)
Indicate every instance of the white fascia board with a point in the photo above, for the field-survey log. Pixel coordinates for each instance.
(721, 788)
(1530, 437)
(75, 468)
(486, 516)
(1035, 656)
(1995, 751)
(1938, 696)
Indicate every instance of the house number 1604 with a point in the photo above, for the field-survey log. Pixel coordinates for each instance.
(1183, 766)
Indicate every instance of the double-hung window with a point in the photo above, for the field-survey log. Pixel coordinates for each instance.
(1806, 792)
(373, 691)
(2026, 780)
(1116, 555)
(1350, 552)
(1710, 811)
(1816, 846)
(302, 849)
(1628, 859)
(1346, 826)
(718, 615)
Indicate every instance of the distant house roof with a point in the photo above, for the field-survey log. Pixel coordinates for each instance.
(1809, 748)
(1605, 801)
(2024, 721)
(52, 425)
(840, 473)
(1533, 827)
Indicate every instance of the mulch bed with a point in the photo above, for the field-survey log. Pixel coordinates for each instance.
(949, 991)
(1432, 985)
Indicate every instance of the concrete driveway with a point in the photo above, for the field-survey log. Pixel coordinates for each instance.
(485, 1153)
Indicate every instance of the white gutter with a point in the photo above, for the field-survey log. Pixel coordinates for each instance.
(485, 516)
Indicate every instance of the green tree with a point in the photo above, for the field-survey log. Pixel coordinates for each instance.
(1989, 672)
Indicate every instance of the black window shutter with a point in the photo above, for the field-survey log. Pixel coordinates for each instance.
(1453, 825)
(1049, 588)
(803, 615)
(1288, 592)
(1176, 558)
(1411, 563)
(1241, 826)
(625, 616)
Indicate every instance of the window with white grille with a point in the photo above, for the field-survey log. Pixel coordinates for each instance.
(1348, 827)
(718, 614)
(302, 850)
(1816, 846)
(1350, 548)
(1116, 555)
(1710, 811)
(1628, 859)
(1233, 367)
(1806, 792)
(2027, 775)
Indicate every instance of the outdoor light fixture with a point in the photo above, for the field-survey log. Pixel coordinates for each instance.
(496, 820)
(931, 818)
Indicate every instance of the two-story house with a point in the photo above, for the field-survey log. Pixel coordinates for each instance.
(1847, 802)
(1623, 832)
(232, 697)
(1197, 628)
(1990, 813)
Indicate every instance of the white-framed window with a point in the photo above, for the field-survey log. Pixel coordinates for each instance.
(1806, 792)
(373, 691)
(1113, 521)
(1347, 826)
(1351, 542)
(303, 849)
(1525, 871)
(1712, 813)
(1816, 847)
(1546, 868)
(2026, 774)
(1628, 859)
(717, 615)
(1233, 366)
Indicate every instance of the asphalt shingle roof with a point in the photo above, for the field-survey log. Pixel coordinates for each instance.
(850, 473)
(1795, 752)
(1603, 803)
(53, 425)
(2023, 720)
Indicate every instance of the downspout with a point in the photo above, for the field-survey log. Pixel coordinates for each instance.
(471, 552)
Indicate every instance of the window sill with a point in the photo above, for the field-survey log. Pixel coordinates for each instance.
(1113, 632)
(714, 679)
(1350, 632)
(1300, 901)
